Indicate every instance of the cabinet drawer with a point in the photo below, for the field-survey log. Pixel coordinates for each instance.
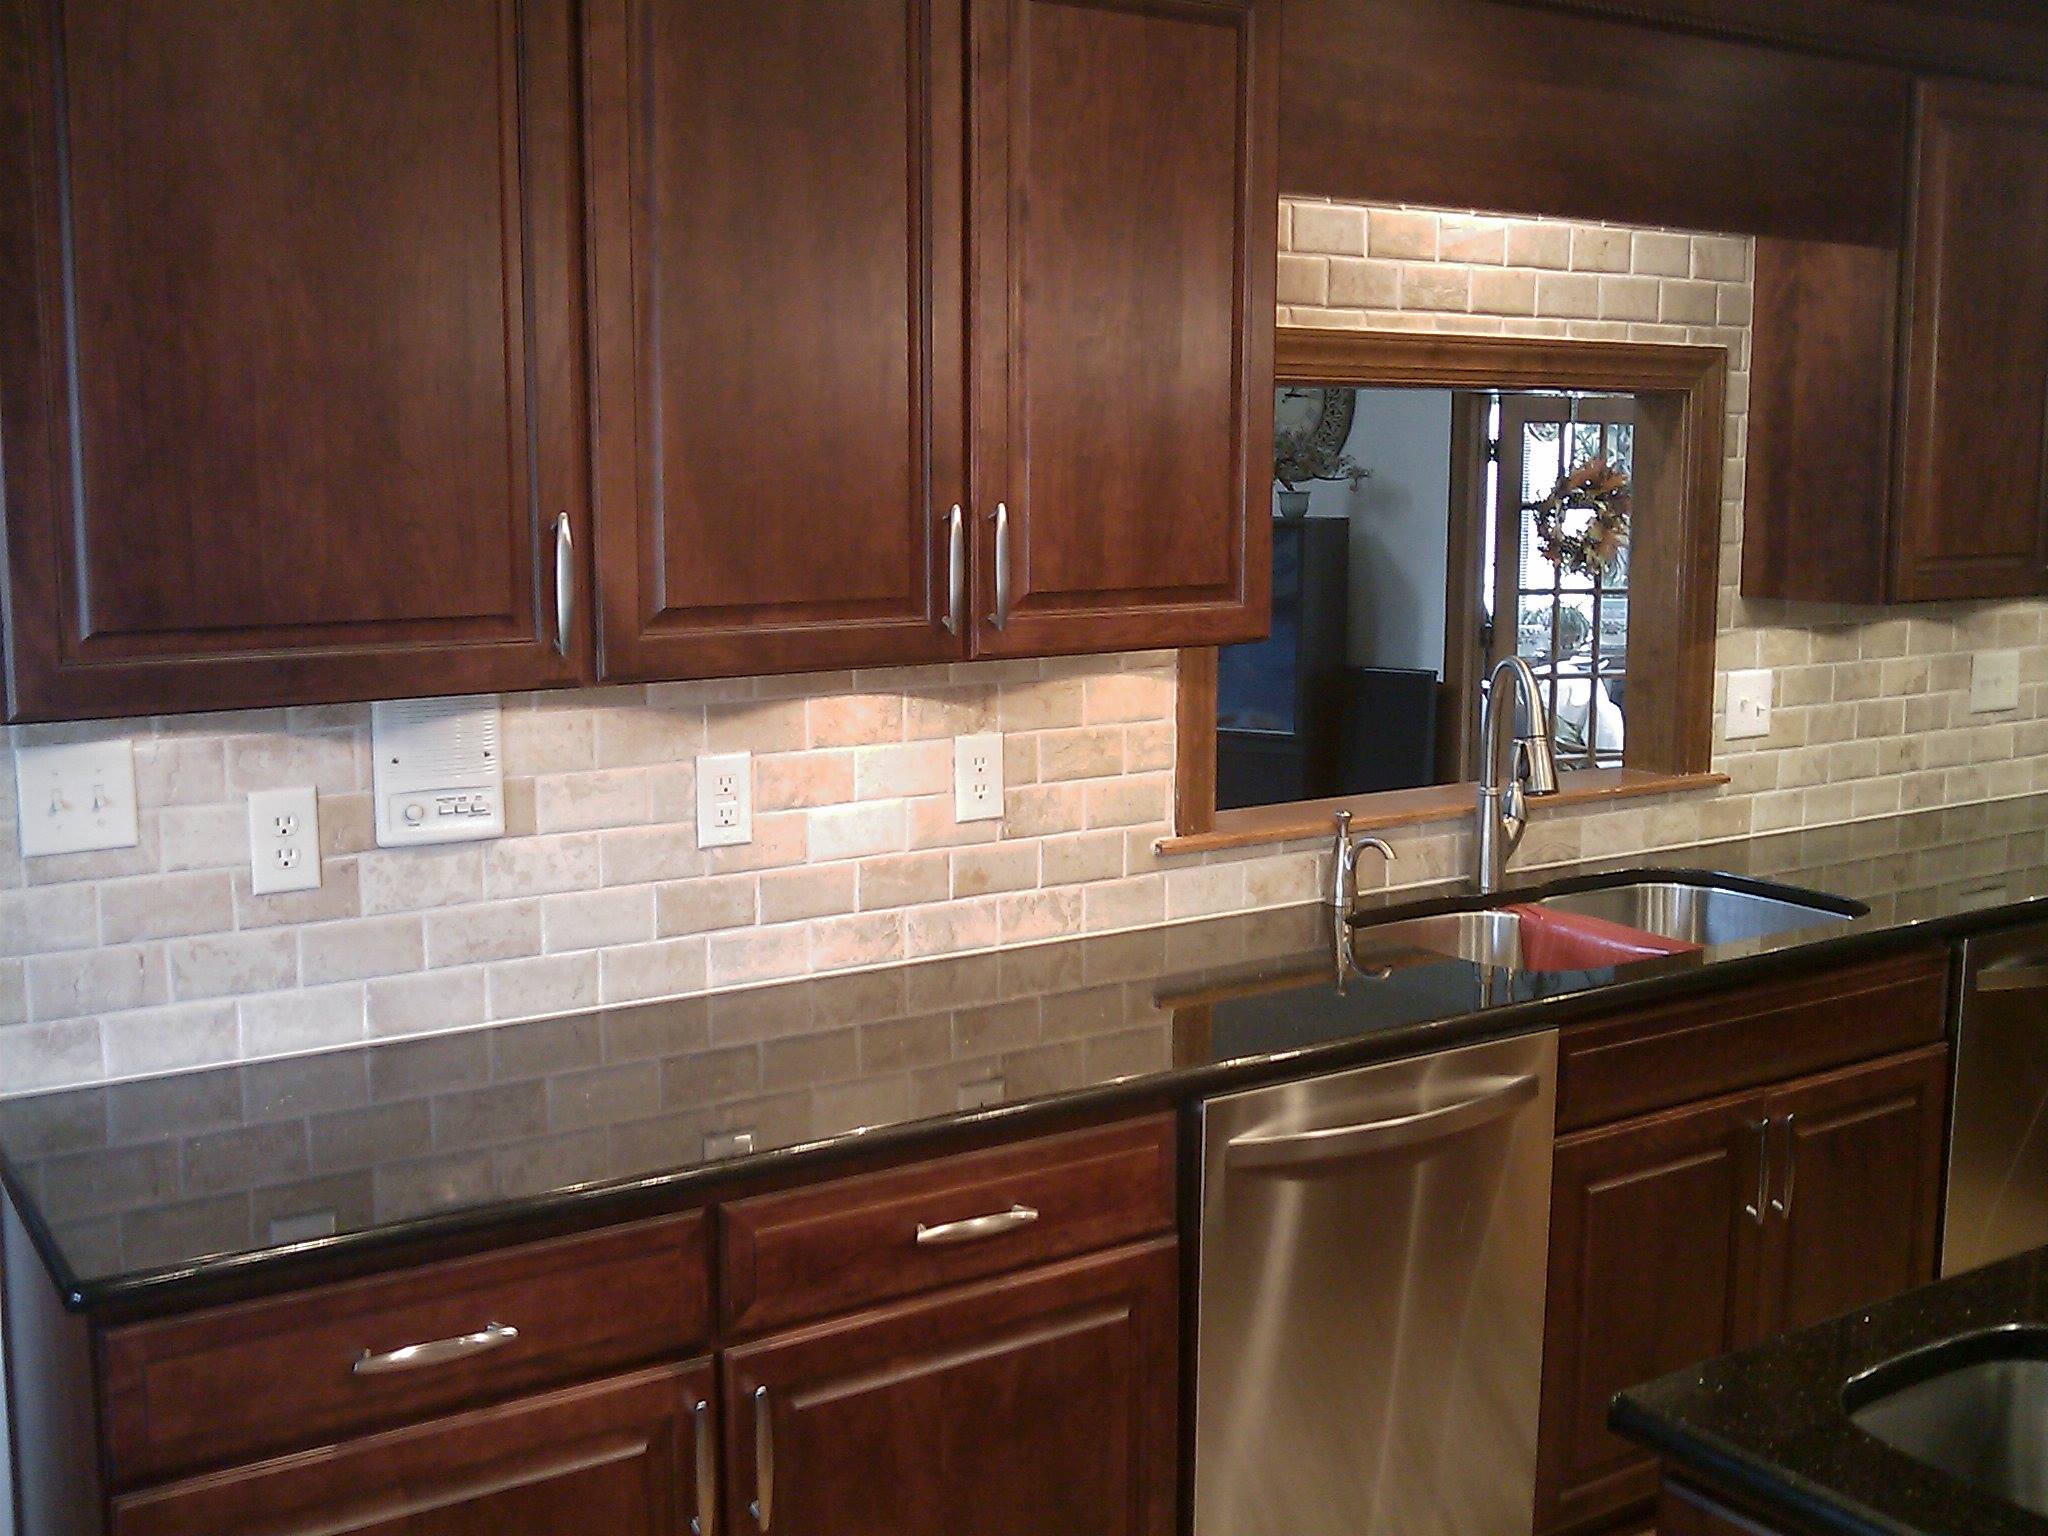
(263, 1376)
(1693, 1050)
(832, 1247)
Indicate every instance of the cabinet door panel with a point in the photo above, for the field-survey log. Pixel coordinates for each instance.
(1973, 518)
(289, 349)
(1124, 188)
(1044, 1402)
(777, 243)
(618, 1457)
(1858, 1188)
(1648, 1245)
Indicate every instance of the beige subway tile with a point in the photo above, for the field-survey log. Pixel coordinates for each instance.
(1203, 890)
(951, 928)
(903, 880)
(363, 947)
(1539, 245)
(1282, 880)
(225, 964)
(327, 761)
(856, 831)
(899, 771)
(80, 982)
(965, 711)
(1133, 902)
(596, 919)
(1126, 696)
(776, 725)
(210, 836)
(169, 1039)
(411, 879)
(1399, 232)
(522, 989)
(696, 906)
(742, 955)
(1302, 280)
(535, 866)
(55, 917)
(640, 735)
(987, 871)
(303, 1019)
(496, 930)
(334, 898)
(866, 938)
(1475, 242)
(538, 741)
(580, 802)
(166, 906)
(172, 770)
(1130, 801)
(1598, 249)
(1026, 916)
(1658, 254)
(1092, 752)
(413, 1005)
(1567, 296)
(1688, 303)
(665, 968)
(1508, 292)
(1041, 704)
(779, 839)
(1434, 288)
(143, 858)
(1329, 228)
(810, 890)
(796, 780)
(1037, 810)
(855, 719)
(644, 855)
(1355, 284)
(55, 1055)
(1083, 856)
(1721, 258)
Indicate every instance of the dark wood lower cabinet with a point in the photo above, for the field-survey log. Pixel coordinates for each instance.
(1043, 1402)
(1680, 1236)
(617, 1457)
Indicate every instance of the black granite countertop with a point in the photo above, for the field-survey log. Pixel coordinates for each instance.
(145, 1196)
(1771, 1425)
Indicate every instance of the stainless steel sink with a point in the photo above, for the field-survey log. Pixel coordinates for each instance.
(1483, 937)
(1697, 914)
(1983, 1420)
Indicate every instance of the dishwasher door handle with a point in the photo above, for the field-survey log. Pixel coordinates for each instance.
(1308, 1150)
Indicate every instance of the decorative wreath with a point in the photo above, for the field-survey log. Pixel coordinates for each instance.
(1602, 492)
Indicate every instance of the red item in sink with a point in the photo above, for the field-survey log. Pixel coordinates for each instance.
(1572, 941)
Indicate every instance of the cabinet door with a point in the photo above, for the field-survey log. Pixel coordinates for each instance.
(777, 239)
(622, 1457)
(290, 336)
(1123, 301)
(1044, 1402)
(1973, 515)
(1650, 1243)
(1857, 1188)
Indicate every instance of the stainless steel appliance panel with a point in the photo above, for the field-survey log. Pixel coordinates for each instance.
(1998, 1141)
(1373, 1257)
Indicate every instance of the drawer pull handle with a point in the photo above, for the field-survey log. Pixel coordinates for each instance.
(706, 1521)
(437, 1352)
(975, 1228)
(764, 1461)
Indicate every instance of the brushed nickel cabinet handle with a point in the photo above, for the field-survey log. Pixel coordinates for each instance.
(1001, 616)
(764, 1461)
(1755, 1209)
(1782, 1206)
(705, 1522)
(975, 1228)
(956, 569)
(565, 582)
(435, 1352)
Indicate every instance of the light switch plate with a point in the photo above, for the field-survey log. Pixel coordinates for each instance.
(76, 797)
(1994, 681)
(284, 840)
(725, 799)
(1749, 704)
(978, 777)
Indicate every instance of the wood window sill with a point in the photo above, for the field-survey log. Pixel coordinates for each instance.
(1413, 807)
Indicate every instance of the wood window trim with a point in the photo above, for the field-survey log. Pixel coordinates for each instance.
(1682, 394)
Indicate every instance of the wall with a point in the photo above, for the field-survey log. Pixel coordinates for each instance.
(157, 957)
(1400, 520)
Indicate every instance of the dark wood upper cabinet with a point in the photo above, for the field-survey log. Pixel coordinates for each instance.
(1122, 303)
(290, 351)
(1973, 492)
(1899, 397)
(777, 240)
(1038, 1403)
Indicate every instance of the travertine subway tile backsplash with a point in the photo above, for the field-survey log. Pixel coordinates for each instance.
(158, 957)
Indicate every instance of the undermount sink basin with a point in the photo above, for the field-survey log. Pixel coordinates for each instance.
(1975, 1408)
(1483, 938)
(1699, 913)
(1515, 938)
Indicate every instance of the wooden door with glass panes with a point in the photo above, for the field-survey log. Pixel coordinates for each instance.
(1570, 627)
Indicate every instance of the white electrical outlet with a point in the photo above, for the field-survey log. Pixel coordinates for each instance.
(284, 840)
(76, 797)
(1749, 704)
(725, 799)
(978, 777)
(1994, 681)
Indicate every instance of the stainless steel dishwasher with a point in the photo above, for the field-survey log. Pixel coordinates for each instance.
(1998, 1137)
(1370, 1318)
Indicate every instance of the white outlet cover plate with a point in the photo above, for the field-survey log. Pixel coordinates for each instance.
(725, 799)
(978, 777)
(1749, 704)
(1994, 681)
(76, 797)
(284, 840)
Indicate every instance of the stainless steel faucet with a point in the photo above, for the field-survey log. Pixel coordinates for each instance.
(1345, 852)
(1512, 769)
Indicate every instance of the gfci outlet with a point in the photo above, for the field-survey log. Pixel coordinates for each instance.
(725, 799)
(1749, 704)
(978, 777)
(284, 840)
